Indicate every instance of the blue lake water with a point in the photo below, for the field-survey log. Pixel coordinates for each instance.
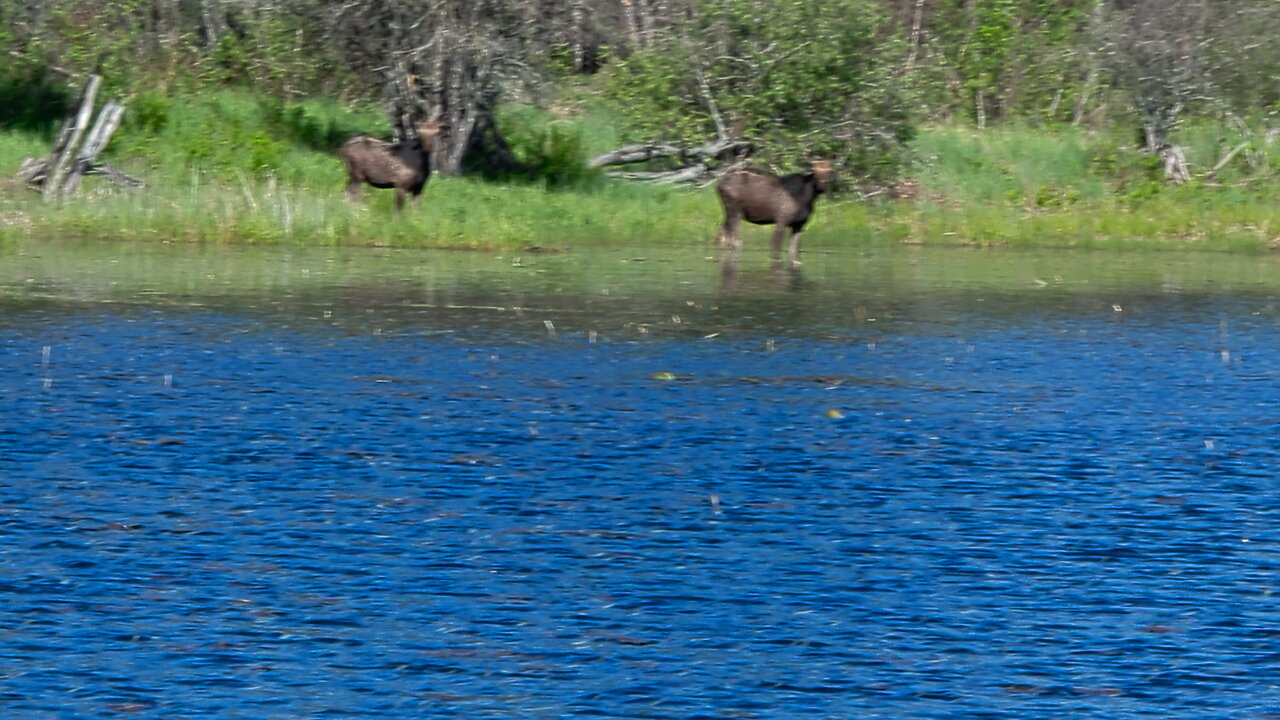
(654, 490)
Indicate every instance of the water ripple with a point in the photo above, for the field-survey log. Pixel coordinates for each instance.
(207, 514)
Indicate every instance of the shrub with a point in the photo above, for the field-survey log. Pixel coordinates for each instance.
(30, 99)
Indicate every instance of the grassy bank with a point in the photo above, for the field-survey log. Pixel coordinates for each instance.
(453, 213)
(230, 170)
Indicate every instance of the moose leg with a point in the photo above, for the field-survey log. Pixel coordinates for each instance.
(779, 231)
(399, 200)
(729, 230)
(794, 251)
(353, 190)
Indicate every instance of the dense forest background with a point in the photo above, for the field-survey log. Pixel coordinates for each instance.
(849, 79)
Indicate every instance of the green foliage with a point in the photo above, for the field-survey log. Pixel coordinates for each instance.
(233, 133)
(454, 213)
(142, 44)
(232, 59)
(657, 97)
(553, 151)
(148, 113)
(1010, 164)
(1024, 59)
(801, 79)
(30, 99)
(226, 133)
(275, 50)
(321, 125)
(979, 190)
(14, 146)
(557, 157)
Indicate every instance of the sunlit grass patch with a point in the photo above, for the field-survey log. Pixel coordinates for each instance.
(452, 212)
(999, 187)
(1006, 164)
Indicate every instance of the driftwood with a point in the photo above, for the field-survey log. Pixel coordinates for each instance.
(697, 163)
(691, 174)
(1213, 172)
(74, 152)
(629, 154)
(69, 137)
(1254, 155)
(34, 172)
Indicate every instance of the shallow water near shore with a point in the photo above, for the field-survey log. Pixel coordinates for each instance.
(898, 482)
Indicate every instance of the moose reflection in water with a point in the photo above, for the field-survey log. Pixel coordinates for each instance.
(405, 165)
(763, 198)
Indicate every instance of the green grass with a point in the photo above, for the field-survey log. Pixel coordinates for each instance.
(1022, 186)
(15, 146)
(453, 212)
(231, 168)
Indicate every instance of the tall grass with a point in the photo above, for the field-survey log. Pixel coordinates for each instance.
(1006, 165)
(231, 167)
(1024, 186)
(453, 212)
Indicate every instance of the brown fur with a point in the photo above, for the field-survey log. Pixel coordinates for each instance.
(405, 166)
(763, 198)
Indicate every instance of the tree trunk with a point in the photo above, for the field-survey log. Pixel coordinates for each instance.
(1175, 164)
(108, 122)
(917, 19)
(213, 20)
(60, 173)
(69, 138)
(489, 154)
(630, 14)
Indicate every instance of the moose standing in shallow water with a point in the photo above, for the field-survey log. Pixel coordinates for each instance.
(405, 165)
(766, 199)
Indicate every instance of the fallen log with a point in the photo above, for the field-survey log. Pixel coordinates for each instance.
(735, 149)
(693, 173)
(730, 149)
(69, 137)
(34, 172)
(697, 162)
(75, 153)
(108, 122)
(630, 154)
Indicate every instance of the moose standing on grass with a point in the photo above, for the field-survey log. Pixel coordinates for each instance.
(404, 165)
(763, 198)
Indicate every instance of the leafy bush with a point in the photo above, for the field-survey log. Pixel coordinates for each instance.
(225, 133)
(30, 99)
(552, 152)
(148, 113)
(801, 79)
(321, 125)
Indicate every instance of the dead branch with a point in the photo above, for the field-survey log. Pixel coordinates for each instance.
(34, 172)
(69, 137)
(59, 174)
(1213, 172)
(693, 173)
(638, 153)
(718, 150)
